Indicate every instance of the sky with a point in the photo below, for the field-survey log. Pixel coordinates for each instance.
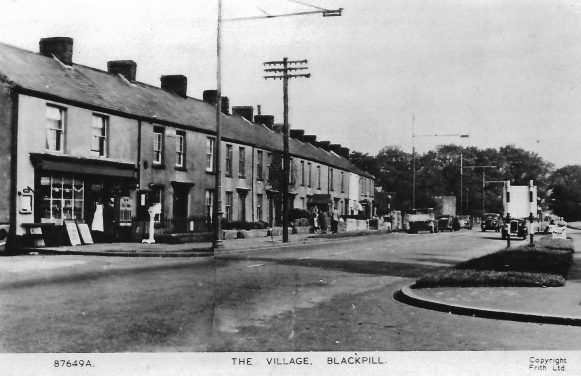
(504, 72)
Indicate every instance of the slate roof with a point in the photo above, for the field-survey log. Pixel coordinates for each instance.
(84, 85)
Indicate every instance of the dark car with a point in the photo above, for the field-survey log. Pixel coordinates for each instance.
(490, 221)
(445, 222)
(517, 229)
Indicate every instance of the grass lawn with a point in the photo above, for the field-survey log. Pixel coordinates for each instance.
(546, 265)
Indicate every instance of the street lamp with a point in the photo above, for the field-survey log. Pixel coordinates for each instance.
(414, 135)
(217, 204)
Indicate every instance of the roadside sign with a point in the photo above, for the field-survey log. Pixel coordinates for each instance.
(558, 232)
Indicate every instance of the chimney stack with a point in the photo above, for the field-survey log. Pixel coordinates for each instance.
(247, 112)
(279, 128)
(326, 145)
(310, 139)
(209, 96)
(297, 133)
(336, 148)
(60, 47)
(266, 120)
(175, 83)
(126, 68)
(225, 105)
(345, 152)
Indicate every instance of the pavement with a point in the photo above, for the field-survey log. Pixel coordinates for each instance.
(194, 249)
(551, 305)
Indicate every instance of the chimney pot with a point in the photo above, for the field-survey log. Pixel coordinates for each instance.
(126, 68)
(61, 47)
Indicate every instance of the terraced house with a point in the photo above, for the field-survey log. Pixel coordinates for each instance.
(99, 147)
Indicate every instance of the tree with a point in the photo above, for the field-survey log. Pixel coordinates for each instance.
(565, 192)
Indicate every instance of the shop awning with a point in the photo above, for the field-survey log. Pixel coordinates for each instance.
(85, 166)
(319, 199)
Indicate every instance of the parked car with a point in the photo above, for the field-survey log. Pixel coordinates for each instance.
(517, 228)
(490, 221)
(445, 222)
(465, 221)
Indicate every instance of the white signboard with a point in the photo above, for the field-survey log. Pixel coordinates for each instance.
(520, 205)
(558, 232)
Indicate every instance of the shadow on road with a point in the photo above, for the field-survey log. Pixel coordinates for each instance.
(394, 269)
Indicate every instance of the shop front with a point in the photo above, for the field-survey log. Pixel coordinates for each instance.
(98, 193)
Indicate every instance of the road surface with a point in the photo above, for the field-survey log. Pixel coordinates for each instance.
(333, 296)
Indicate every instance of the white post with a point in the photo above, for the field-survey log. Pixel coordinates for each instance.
(153, 211)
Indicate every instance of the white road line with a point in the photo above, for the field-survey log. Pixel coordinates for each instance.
(255, 265)
(304, 258)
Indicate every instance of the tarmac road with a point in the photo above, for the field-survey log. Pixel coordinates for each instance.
(334, 296)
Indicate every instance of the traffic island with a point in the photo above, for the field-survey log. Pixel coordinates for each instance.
(521, 284)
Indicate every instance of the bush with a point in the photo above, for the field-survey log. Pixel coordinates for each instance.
(242, 225)
(295, 214)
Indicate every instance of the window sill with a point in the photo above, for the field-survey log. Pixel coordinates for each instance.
(158, 166)
(210, 172)
(181, 168)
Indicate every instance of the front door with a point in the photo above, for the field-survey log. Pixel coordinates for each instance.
(180, 208)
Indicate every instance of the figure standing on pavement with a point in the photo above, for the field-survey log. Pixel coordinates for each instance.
(334, 220)
(323, 221)
(315, 219)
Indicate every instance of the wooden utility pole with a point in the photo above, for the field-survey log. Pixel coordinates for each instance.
(217, 204)
(284, 71)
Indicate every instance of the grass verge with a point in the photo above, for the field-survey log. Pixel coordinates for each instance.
(547, 264)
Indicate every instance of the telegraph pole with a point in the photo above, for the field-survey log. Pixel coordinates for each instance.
(483, 167)
(217, 204)
(283, 71)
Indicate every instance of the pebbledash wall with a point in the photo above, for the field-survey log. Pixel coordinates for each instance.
(76, 137)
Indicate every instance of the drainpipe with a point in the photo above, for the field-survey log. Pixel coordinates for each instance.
(11, 241)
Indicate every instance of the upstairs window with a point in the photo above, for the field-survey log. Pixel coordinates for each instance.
(229, 155)
(242, 162)
(310, 175)
(259, 165)
(342, 182)
(210, 146)
(157, 145)
(331, 180)
(55, 128)
(302, 173)
(99, 142)
(318, 177)
(180, 149)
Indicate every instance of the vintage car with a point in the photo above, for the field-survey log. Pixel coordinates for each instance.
(517, 228)
(465, 221)
(445, 222)
(490, 221)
